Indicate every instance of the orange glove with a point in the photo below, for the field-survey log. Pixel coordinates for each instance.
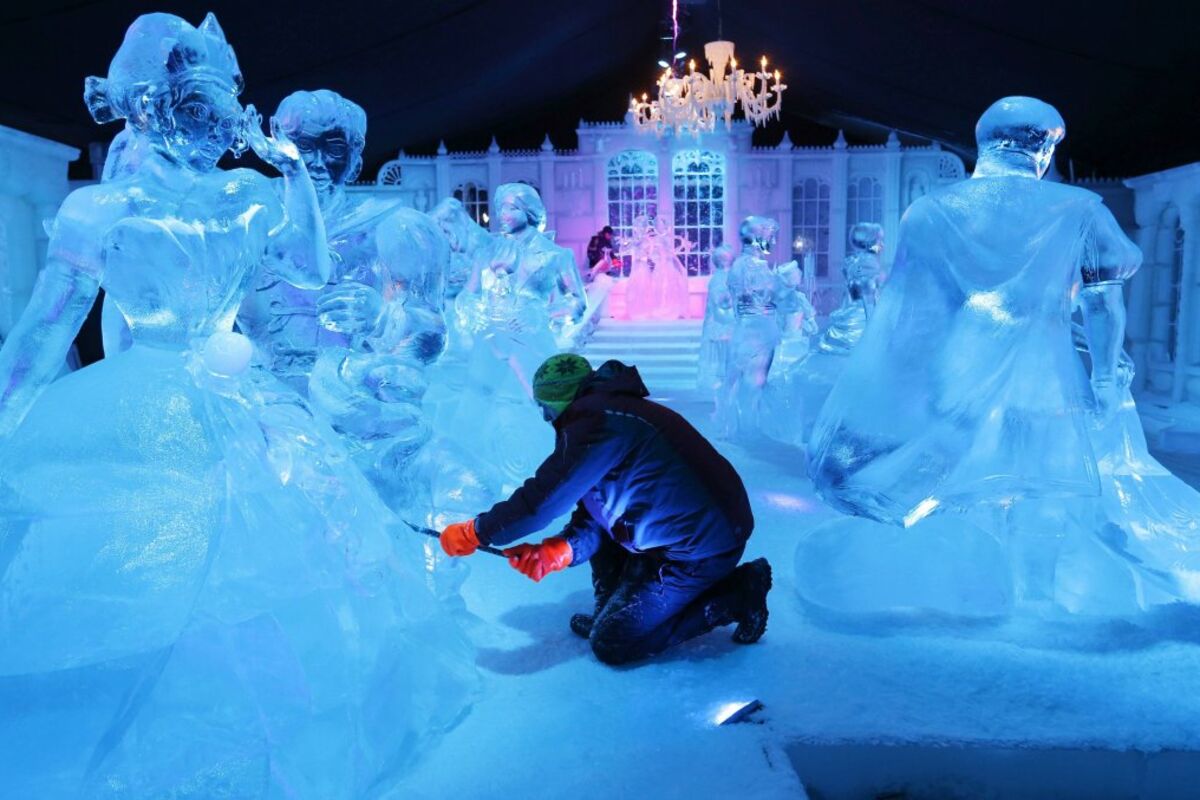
(536, 561)
(459, 539)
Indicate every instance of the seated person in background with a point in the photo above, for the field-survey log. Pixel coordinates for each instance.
(660, 514)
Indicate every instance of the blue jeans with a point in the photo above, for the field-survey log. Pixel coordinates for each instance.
(645, 604)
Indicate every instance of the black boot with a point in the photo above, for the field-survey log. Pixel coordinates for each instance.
(751, 613)
(581, 625)
(743, 599)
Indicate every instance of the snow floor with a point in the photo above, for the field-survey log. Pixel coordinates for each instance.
(553, 722)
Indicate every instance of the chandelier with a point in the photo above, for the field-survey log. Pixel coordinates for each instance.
(691, 102)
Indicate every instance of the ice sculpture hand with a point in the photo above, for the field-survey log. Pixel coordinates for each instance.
(459, 539)
(536, 561)
(278, 150)
(351, 308)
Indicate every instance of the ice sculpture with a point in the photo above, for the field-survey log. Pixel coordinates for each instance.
(195, 564)
(470, 246)
(965, 397)
(718, 324)
(760, 297)
(657, 287)
(524, 298)
(795, 393)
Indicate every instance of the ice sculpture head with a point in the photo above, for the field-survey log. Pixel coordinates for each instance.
(867, 236)
(759, 233)
(722, 256)
(330, 133)
(415, 243)
(1017, 135)
(518, 206)
(175, 84)
(452, 217)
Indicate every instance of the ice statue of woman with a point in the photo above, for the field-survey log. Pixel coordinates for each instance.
(669, 288)
(470, 246)
(195, 562)
(717, 332)
(796, 393)
(524, 293)
(965, 397)
(639, 286)
(758, 293)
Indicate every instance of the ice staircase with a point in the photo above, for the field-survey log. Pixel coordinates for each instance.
(667, 354)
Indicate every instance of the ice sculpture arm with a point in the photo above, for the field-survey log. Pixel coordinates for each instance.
(1103, 308)
(583, 453)
(571, 297)
(114, 331)
(1109, 258)
(296, 249)
(34, 351)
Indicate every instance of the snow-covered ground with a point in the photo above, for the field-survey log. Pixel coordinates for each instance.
(553, 722)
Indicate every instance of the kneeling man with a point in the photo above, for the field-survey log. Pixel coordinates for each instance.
(661, 516)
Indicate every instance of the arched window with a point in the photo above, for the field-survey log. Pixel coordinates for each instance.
(810, 219)
(632, 189)
(864, 202)
(698, 180)
(474, 200)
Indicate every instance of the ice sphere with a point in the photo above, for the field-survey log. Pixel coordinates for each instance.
(199, 593)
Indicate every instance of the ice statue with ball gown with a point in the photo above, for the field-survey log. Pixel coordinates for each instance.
(199, 593)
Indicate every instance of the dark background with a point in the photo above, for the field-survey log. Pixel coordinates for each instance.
(1125, 75)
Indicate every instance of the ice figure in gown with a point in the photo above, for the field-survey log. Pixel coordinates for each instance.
(470, 245)
(795, 394)
(525, 291)
(760, 295)
(964, 431)
(639, 286)
(798, 320)
(670, 278)
(717, 332)
(195, 563)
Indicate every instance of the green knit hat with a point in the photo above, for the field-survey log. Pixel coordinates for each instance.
(558, 379)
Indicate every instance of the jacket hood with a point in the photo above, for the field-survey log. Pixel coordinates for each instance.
(616, 378)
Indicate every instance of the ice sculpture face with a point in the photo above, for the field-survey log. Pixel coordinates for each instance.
(177, 85)
(518, 206)
(759, 233)
(1017, 134)
(722, 257)
(867, 236)
(330, 133)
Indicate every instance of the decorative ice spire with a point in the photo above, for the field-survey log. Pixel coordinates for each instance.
(547, 145)
(441, 151)
(494, 147)
(786, 142)
(893, 141)
(840, 142)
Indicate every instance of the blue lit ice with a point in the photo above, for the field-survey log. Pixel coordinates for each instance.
(199, 592)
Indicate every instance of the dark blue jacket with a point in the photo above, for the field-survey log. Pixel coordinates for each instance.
(635, 471)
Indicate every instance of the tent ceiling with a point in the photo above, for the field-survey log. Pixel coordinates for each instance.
(1126, 75)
